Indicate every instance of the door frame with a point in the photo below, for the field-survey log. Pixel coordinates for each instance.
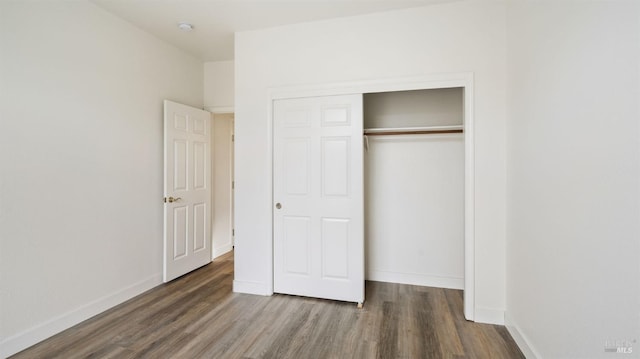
(223, 111)
(421, 82)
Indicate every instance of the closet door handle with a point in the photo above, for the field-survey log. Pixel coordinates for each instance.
(278, 205)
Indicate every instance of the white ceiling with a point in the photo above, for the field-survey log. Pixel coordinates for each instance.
(215, 21)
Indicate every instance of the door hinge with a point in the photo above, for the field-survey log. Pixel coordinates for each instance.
(233, 232)
(233, 138)
(233, 184)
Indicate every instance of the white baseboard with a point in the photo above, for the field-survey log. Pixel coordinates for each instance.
(416, 279)
(489, 315)
(247, 287)
(520, 339)
(218, 251)
(42, 331)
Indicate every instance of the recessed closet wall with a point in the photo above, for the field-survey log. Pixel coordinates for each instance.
(414, 188)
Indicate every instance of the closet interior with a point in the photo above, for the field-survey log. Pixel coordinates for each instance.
(414, 187)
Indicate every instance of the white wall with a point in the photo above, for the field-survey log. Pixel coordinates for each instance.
(458, 37)
(81, 158)
(573, 176)
(219, 86)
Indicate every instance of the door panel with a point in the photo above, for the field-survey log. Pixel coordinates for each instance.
(180, 165)
(318, 214)
(200, 159)
(335, 166)
(335, 247)
(187, 180)
(199, 226)
(179, 234)
(296, 166)
(296, 245)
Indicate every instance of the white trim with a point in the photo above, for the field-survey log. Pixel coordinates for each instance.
(416, 279)
(269, 179)
(218, 251)
(257, 288)
(42, 331)
(524, 344)
(469, 201)
(420, 82)
(212, 159)
(220, 109)
(489, 315)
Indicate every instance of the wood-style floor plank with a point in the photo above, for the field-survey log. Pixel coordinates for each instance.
(198, 316)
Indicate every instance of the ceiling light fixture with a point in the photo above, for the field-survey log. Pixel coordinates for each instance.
(185, 26)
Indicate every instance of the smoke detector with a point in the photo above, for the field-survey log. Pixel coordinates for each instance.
(185, 26)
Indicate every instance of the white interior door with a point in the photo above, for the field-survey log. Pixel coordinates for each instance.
(318, 197)
(187, 189)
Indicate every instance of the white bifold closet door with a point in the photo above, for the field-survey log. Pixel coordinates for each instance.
(318, 197)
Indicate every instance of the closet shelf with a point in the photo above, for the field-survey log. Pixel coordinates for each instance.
(412, 130)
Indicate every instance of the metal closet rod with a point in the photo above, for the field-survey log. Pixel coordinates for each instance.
(412, 130)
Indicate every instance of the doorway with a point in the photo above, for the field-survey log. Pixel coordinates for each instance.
(414, 187)
(222, 232)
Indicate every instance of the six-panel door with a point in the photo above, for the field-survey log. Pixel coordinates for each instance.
(187, 188)
(318, 197)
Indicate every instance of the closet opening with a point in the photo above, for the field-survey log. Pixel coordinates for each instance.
(414, 187)
(390, 249)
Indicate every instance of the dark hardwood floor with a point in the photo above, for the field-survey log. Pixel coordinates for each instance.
(197, 316)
